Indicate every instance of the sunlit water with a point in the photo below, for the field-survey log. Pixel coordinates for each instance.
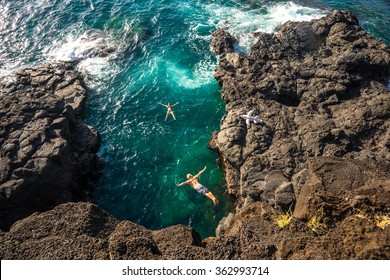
(163, 55)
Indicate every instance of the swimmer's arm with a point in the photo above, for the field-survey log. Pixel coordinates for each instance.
(162, 104)
(184, 183)
(200, 173)
(175, 104)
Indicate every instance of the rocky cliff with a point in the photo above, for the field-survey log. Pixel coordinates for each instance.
(321, 150)
(311, 180)
(47, 153)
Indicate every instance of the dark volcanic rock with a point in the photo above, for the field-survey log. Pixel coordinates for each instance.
(223, 42)
(321, 89)
(132, 241)
(47, 153)
(70, 231)
(346, 196)
(84, 231)
(337, 186)
(185, 244)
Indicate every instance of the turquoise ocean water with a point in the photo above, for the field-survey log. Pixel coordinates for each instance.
(163, 55)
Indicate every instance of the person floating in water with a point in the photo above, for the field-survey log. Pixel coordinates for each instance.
(169, 110)
(194, 183)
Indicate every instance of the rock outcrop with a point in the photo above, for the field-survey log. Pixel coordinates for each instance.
(47, 153)
(84, 231)
(311, 181)
(322, 152)
(337, 216)
(319, 87)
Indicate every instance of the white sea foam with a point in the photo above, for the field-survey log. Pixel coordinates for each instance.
(95, 68)
(81, 47)
(91, 5)
(290, 11)
(200, 75)
(243, 23)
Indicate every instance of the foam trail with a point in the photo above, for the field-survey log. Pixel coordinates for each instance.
(90, 44)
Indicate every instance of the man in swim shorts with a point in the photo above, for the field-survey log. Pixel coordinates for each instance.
(194, 183)
(169, 110)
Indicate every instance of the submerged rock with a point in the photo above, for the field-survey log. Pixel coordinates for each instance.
(93, 43)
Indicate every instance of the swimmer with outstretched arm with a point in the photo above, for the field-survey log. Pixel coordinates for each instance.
(169, 110)
(194, 183)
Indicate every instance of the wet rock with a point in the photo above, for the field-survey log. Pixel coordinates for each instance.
(94, 43)
(223, 42)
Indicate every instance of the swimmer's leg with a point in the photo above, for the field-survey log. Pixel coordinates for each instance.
(166, 116)
(212, 197)
(173, 115)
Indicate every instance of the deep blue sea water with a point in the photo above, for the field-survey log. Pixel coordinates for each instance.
(163, 56)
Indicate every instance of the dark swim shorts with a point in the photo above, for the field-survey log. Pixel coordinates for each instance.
(202, 189)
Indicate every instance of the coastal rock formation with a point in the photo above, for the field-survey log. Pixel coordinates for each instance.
(322, 152)
(340, 214)
(319, 87)
(84, 231)
(69, 231)
(47, 153)
(310, 182)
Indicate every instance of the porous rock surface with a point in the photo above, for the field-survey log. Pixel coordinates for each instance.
(321, 89)
(84, 231)
(322, 154)
(47, 153)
